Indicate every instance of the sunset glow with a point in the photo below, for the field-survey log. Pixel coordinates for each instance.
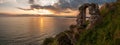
(42, 11)
(44, 7)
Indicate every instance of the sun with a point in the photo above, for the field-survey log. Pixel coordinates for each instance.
(43, 11)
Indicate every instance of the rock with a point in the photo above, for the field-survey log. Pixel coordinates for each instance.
(64, 39)
(94, 18)
(69, 37)
(48, 41)
(81, 18)
(72, 27)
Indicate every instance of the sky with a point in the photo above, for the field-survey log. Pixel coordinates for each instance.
(44, 6)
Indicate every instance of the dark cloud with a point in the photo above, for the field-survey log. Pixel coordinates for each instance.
(101, 1)
(63, 5)
(74, 4)
(32, 7)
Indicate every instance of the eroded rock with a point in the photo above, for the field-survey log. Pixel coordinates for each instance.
(93, 19)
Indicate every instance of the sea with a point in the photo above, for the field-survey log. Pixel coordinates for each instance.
(31, 30)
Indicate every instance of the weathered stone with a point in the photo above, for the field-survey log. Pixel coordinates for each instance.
(64, 38)
(82, 16)
(48, 41)
(69, 37)
(72, 27)
(94, 18)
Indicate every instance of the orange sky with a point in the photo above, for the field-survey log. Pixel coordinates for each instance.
(9, 6)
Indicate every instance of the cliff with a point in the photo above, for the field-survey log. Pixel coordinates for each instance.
(105, 33)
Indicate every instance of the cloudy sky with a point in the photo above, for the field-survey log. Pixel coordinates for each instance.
(32, 6)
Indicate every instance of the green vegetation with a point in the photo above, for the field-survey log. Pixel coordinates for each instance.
(48, 41)
(106, 33)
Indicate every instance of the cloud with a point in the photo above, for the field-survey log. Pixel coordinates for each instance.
(60, 6)
(31, 1)
(101, 1)
(64, 5)
(6, 1)
(1, 1)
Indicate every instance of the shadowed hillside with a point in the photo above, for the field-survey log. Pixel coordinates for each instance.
(105, 33)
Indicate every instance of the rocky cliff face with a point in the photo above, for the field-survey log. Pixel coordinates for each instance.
(102, 34)
(94, 16)
(71, 37)
(107, 33)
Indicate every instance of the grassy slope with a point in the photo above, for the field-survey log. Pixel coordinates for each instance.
(106, 33)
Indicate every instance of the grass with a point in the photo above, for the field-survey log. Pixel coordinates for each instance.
(106, 33)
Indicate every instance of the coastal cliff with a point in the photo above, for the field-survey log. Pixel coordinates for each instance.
(105, 33)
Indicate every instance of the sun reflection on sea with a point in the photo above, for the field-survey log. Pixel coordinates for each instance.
(41, 23)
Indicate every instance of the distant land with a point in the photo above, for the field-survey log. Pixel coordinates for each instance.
(32, 15)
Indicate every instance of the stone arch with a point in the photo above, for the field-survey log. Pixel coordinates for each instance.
(93, 11)
(82, 16)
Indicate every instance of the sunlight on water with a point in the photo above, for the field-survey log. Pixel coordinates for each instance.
(31, 30)
(41, 24)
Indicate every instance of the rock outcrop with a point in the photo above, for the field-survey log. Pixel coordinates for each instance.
(81, 18)
(71, 36)
(93, 19)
